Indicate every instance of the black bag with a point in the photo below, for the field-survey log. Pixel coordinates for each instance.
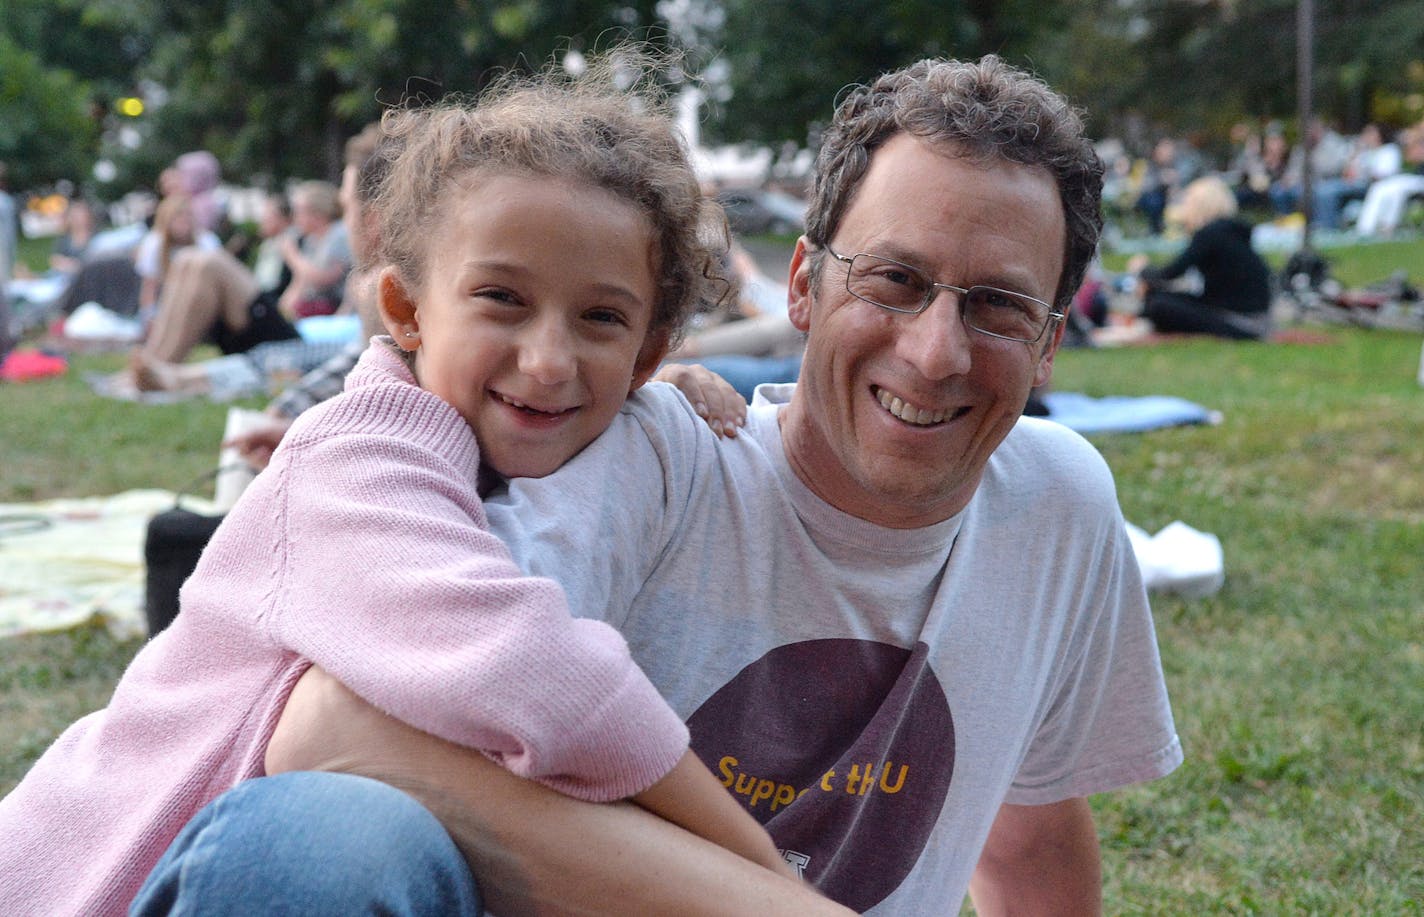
(171, 547)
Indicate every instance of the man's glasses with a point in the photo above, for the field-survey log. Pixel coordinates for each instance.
(987, 310)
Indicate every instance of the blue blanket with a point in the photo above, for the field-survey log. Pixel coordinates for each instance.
(1124, 414)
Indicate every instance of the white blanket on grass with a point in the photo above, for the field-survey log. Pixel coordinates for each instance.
(66, 562)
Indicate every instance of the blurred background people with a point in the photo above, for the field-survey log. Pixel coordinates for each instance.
(1387, 199)
(174, 229)
(320, 261)
(80, 225)
(1235, 296)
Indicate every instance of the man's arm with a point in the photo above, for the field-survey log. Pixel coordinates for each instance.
(532, 850)
(1039, 860)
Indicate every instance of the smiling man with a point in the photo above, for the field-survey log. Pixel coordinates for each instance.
(905, 625)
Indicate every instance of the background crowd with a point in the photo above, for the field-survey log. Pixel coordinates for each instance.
(207, 265)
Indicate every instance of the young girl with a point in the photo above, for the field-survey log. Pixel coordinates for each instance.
(543, 248)
(174, 228)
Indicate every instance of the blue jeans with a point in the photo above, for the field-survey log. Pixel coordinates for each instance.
(309, 843)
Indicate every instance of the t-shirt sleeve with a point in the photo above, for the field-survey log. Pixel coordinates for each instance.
(146, 255)
(1107, 721)
(392, 583)
(600, 524)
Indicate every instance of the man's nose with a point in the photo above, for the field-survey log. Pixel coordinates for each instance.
(546, 353)
(936, 341)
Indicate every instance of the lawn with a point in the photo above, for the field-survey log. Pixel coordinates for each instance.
(1298, 688)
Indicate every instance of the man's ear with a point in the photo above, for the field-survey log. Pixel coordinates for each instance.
(798, 287)
(397, 310)
(1044, 370)
(650, 357)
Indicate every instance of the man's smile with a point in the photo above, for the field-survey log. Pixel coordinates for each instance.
(913, 414)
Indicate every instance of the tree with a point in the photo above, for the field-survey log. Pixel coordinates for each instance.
(59, 71)
(275, 86)
(45, 124)
(787, 58)
(1173, 65)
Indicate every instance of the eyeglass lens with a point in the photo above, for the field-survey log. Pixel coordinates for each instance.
(903, 288)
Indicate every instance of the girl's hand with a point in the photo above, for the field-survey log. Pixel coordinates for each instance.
(714, 400)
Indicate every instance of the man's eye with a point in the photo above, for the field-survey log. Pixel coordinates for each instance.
(898, 276)
(998, 299)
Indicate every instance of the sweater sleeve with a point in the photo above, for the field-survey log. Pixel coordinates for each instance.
(392, 583)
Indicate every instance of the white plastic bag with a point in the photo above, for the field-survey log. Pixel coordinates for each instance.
(1179, 559)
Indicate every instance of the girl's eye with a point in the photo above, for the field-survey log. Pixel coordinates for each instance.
(606, 316)
(495, 294)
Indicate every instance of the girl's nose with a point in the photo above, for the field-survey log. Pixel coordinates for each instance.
(546, 354)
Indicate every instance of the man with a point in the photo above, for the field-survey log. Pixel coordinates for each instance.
(905, 626)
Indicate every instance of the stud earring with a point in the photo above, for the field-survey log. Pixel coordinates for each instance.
(412, 334)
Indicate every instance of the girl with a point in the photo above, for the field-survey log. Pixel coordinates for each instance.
(543, 249)
(174, 228)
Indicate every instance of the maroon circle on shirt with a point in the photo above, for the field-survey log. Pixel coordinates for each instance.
(844, 750)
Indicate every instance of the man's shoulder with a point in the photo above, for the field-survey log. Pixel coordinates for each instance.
(1041, 455)
(661, 413)
(1038, 435)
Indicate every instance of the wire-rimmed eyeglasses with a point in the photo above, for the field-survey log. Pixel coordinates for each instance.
(900, 287)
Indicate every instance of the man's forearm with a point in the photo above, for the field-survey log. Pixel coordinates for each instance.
(533, 851)
(1040, 860)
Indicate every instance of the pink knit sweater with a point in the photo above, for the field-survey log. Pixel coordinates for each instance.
(362, 549)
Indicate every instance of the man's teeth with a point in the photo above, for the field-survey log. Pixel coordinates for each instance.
(909, 413)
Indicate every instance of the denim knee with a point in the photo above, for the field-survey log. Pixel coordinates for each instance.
(311, 843)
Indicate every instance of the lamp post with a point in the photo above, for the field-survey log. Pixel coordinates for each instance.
(1304, 68)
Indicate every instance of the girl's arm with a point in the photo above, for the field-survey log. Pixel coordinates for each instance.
(692, 798)
(532, 850)
(389, 580)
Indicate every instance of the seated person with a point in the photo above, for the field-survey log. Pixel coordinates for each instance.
(80, 224)
(246, 369)
(886, 523)
(1236, 288)
(212, 296)
(174, 230)
(1387, 199)
(320, 261)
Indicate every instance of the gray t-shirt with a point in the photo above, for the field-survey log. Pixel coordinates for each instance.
(871, 695)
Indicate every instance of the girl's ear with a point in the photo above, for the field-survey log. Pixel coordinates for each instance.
(397, 310)
(655, 347)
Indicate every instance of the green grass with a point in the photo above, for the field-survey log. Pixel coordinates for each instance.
(1298, 689)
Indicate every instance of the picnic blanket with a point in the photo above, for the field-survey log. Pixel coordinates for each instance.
(1124, 414)
(66, 562)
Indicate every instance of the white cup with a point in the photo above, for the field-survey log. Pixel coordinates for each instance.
(234, 474)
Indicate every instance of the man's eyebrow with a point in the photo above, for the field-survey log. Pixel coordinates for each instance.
(916, 260)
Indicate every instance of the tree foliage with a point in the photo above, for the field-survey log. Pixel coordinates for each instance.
(45, 126)
(273, 87)
(1170, 65)
(787, 58)
(59, 69)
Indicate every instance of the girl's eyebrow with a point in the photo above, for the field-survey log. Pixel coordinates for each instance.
(520, 272)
